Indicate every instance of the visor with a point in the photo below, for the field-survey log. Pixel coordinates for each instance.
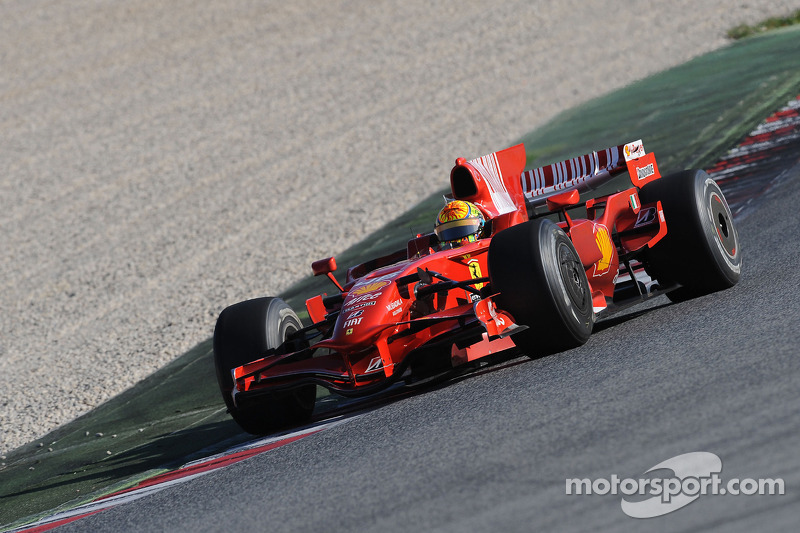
(457, 229)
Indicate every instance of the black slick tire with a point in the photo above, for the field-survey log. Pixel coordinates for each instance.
(701, 250)
(542, 283)
(247, 331)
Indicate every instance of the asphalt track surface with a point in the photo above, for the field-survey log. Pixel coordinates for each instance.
(492, 451)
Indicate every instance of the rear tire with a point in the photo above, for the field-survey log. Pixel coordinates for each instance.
(701, 250)
(247, 331)
(542, 283)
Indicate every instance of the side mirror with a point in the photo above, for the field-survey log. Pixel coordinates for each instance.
(326, 267)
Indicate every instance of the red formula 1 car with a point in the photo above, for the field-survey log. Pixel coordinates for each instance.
(497, 273)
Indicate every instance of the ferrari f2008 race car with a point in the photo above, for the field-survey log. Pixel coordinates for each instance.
(506, 267)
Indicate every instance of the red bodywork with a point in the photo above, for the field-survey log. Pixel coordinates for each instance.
(393, 318)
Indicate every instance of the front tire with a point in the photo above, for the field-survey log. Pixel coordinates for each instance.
(542, 283)
(701, 249)
(247, 331)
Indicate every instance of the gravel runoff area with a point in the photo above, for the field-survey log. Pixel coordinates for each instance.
(161, 160)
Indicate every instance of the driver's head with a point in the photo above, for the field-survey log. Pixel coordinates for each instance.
(459, 223)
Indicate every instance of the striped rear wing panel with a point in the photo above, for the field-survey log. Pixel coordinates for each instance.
(583, 173)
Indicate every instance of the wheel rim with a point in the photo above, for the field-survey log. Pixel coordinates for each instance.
(723, 225)
(572, 276)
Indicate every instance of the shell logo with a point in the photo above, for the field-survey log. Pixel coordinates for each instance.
(633, 150)
(606, 249)
(370, 287)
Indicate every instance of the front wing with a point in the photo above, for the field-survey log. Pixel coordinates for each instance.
(458, 336)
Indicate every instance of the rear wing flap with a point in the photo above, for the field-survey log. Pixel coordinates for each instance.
(588, 172)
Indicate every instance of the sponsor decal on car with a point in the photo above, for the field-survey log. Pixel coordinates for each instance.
(645, 172)
(360, 305)
(362, 298)
(355, 314)
(634, 150)
(352, 322)
(369, 287)
(375, 364)
(394, 305)
(475, 272)
(606, 247)
(646, 217)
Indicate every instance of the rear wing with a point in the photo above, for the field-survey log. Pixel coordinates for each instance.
(504, 191)
(588, 172)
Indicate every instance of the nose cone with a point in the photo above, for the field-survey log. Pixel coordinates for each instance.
(367, 308)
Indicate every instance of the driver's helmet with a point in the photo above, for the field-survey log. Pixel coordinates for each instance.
(459, 223)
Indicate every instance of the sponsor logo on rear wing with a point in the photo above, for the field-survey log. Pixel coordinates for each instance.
(643, 169)
(633, 150)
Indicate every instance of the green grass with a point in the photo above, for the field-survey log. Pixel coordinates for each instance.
(168, 417)
(773, 23)
(689, 116)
